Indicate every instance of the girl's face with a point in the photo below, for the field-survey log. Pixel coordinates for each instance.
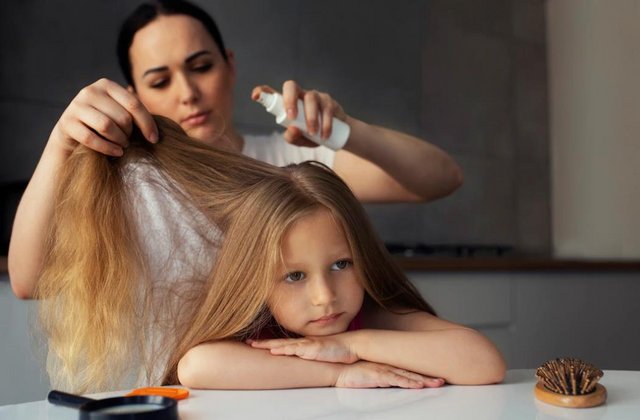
(319, 291)
(180, 73)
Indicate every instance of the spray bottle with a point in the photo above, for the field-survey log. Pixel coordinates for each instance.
(274, 104)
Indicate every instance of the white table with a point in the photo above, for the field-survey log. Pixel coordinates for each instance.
(512, 399)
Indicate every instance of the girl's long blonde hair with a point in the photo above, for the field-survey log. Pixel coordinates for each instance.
(95, 286)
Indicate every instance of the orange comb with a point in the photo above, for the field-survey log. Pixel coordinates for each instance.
(175, 393)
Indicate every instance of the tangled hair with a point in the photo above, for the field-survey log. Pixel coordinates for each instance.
(96, 287)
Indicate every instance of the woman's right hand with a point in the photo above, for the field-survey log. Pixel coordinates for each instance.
(101, 117)
(364, 374)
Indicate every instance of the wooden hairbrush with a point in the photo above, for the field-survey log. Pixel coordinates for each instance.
(569, 382)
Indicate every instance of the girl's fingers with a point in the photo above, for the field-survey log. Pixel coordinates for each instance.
(272, 343)
(433, 382)
(404, 382)
(289, 350)
(260, 344)
(409, 374)
(425, 381)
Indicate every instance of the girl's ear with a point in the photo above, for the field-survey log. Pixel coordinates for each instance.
(131, 89)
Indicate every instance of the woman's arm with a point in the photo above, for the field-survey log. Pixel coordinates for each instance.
(418, 342)
(378, 164)
(99, 117)
(235, 365)
(382, 165)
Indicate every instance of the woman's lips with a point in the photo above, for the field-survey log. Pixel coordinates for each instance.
(196, 119)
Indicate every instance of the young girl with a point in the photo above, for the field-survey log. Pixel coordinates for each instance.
(294, 257)
(311, 280)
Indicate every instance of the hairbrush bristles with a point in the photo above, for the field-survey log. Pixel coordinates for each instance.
(569, 376)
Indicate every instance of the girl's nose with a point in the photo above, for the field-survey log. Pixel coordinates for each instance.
(321, 291)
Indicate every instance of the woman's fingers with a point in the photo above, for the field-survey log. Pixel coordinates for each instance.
(291, 92)
(127, 100)
(328, 112)
(110, 111)
(87, 137)
(101, 117)
(102, 124)
(295, 136)
(120, 120)
(319, 108)
(311, 111)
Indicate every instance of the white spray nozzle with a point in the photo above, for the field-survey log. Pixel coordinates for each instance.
(270, 102)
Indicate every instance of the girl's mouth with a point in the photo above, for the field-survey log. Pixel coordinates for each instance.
(328, 319)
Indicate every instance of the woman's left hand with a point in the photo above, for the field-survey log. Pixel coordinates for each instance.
(318, 106)
(332, 348)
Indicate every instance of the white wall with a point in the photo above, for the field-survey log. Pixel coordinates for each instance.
(594, 64)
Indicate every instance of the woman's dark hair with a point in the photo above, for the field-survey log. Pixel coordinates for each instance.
(148, 12)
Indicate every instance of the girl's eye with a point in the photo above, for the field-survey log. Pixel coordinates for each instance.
(341, 265)
(294, 276)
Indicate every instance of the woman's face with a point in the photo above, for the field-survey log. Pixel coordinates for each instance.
(180, 73)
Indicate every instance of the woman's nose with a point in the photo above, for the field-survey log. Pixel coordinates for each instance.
(322, 292)
(187, 89)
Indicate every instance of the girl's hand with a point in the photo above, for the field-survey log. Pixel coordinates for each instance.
(332, 348)
(317, 105)
(101, 117)
(365, 374)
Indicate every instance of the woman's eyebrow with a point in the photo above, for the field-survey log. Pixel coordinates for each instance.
(187, 60)
(155, 70)
(196, 55)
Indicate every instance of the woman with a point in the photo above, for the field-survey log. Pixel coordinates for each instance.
(177, 66)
